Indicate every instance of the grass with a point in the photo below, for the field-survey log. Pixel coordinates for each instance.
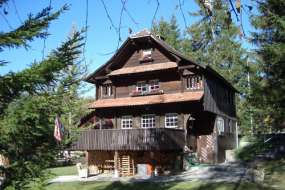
(194, 185)
(274, 179)
(274, 173)
(249, 152)
(66, 170)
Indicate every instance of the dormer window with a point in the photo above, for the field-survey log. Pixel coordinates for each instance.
(153, 85)
(147, 88)
(142, 87)
(146, 55)
(107, 90)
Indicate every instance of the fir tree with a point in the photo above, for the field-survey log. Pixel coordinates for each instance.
(214, 40)
(30, 99)
(270, 40)
(34, 27)
(169, 31)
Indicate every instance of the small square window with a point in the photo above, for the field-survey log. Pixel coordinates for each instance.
(142, 87)
(153, 85)
(171, 120)
(148, 121)
(126, 122)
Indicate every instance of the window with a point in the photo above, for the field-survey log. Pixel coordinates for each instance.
(148, 121)
(142, 87)
(220, 123)
(126, 122)
(171, 120)
(107, 90)
(153, 85)
(194, 82)
(230, 127)
(146, 55)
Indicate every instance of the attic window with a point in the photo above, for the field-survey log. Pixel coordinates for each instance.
(194, 82)
(146, 55)
(107, 90)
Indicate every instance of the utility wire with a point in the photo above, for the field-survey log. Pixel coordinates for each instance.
(120, 23)
(17, 12)
(108, 16)
(86, 33)
(233, 9)
(154, 15)
(129, 14)
(6, 20)
(182, 12)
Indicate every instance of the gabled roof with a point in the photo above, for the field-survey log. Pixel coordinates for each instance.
(145, 34)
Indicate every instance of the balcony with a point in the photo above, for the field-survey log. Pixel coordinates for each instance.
(161, 139)
(140, 93)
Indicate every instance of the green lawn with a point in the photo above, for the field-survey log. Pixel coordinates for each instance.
(155, 186)
(66, 170)
(274, 170)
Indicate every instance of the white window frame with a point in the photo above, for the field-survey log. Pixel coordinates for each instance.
(146, 54)
(153, 85)
(127, 122)
(148, 121)
(220, 124)
(171, 120)
(109, 90)
(191, 80)
(142, 85)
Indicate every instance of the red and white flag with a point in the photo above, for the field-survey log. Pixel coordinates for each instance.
(58, 129)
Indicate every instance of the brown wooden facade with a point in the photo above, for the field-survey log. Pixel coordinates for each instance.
(153, 101)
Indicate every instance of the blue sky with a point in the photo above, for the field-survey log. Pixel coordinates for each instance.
(102, 38)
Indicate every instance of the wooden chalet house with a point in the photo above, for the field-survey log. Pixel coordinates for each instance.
(154, 107)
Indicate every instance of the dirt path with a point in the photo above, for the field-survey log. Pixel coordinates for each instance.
(217, 173)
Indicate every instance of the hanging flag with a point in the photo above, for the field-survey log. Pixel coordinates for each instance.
(58, 129)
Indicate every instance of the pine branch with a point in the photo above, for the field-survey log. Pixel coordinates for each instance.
(40, 75)
(33, 27)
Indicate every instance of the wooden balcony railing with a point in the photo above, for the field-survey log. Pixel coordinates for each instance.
(162, 139)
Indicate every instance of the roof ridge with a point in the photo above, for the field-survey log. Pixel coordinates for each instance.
(142, 33)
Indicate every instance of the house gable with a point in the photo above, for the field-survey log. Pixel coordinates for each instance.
(128, 55)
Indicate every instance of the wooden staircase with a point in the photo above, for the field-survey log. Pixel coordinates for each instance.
(126, 165)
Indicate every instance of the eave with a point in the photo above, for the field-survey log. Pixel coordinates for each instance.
(148, 100)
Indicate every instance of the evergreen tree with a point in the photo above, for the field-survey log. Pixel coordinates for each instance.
(34, 27)
(270, 40)
(45, 89)
(214, 40)
(31, 98)
(169, 31)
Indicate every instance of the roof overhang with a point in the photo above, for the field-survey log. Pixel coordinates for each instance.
(148, 100)
(144, 68)
(145, 35)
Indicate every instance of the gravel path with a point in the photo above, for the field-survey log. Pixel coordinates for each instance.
(218, 173)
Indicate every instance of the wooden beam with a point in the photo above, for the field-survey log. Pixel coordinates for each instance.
(116, 164)
(188, 67)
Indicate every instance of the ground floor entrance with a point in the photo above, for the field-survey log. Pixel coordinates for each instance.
(129, 163)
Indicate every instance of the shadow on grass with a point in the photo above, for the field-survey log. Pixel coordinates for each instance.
(182, 186)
